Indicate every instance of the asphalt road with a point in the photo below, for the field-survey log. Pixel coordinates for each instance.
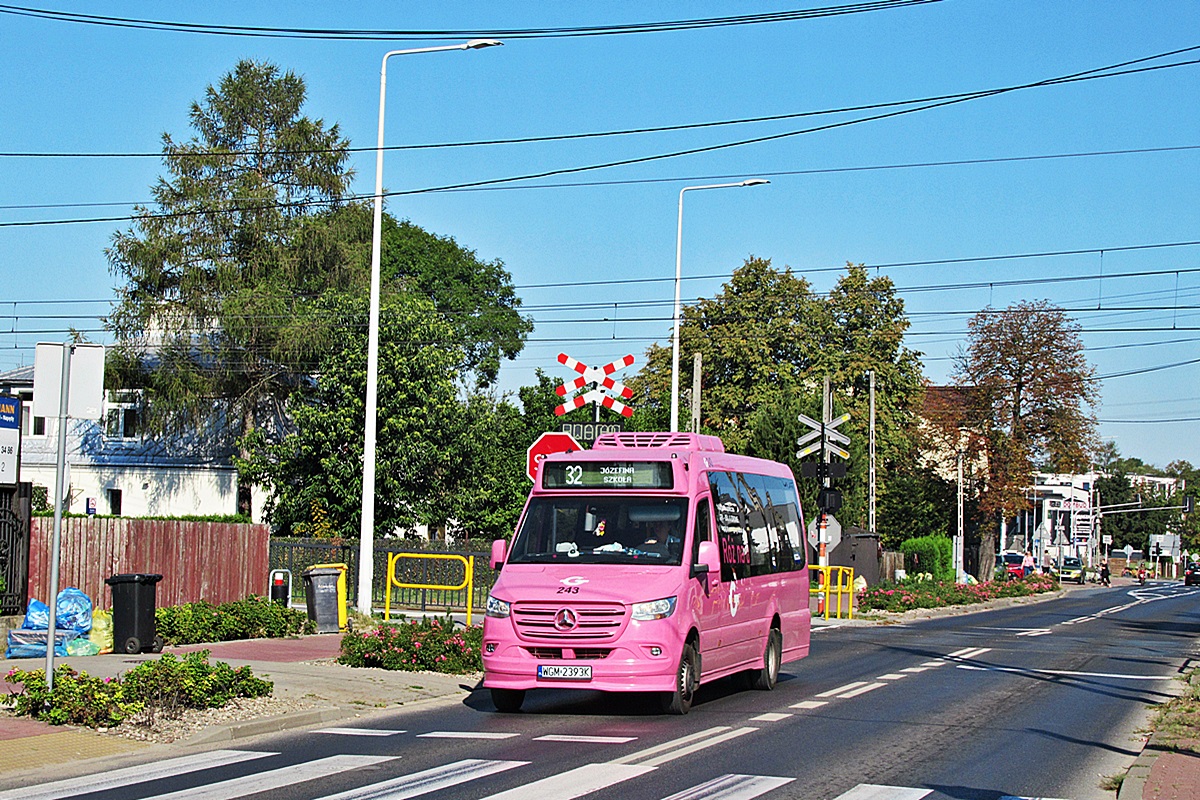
(1037, 700)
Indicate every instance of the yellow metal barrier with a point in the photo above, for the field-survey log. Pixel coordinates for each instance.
(468, 582)
(837, 581)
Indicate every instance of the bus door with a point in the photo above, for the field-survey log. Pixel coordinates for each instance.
(714, 614)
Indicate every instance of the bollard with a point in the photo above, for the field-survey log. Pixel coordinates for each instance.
(281, 587)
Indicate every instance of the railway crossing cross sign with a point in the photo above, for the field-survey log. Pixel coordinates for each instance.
(601, 378)
(823, 436)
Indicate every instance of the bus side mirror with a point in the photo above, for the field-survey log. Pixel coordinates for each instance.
(708, 562)
(498, 554)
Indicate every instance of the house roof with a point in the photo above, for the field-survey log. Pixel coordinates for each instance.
(21, 376)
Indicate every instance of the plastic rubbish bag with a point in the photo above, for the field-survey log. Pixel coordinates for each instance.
(26, 643)
(82, 646)
(102, 630)
(37, 616)
(73, 610)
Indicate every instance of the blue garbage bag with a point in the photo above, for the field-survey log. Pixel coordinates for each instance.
(24, 643)
(73, 611)
(37, 616)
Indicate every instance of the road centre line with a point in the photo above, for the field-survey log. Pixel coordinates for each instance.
(841, 689)
(1066, 673)
(809, 704)
(697, 746)
(275, 779)
(732, 787)
(359, 732)
(914, 669)
(891, 676)
(938, 663)
(128, 776)
(771, 716)
(426, 781)
(870, 687)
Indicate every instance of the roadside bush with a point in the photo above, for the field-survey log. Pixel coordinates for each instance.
(164, 687)
(252, 618)
(933, 554)
(935, 594)
(433, 645)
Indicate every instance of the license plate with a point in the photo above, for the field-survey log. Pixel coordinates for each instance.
(561, 672)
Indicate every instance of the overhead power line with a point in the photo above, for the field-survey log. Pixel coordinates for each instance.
(1111, 70)
(346, 34)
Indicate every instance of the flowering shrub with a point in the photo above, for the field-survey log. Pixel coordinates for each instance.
(163, 687)
(433, 645)
(934, 594)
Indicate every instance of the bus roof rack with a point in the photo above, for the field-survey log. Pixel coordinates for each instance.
(692, 441)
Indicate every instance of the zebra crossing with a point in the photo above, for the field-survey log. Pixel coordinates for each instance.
(465, 778)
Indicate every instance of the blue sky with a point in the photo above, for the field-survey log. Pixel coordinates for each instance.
(949, 235)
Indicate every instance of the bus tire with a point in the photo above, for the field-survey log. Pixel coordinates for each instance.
(679, 701)
(764, 679)
(508, 701)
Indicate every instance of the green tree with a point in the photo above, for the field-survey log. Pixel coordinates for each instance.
(420, 427)
(1029, 393)
(218, 280)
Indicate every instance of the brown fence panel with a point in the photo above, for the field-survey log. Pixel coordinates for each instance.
(213, 561)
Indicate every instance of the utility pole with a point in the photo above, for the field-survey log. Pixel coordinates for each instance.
(696, 362)
(871, 462)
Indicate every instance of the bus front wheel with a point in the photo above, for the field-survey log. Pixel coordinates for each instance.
(508, 701)
(679, 701)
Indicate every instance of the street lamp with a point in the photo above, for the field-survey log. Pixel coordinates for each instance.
(678, 268)
(366, 552)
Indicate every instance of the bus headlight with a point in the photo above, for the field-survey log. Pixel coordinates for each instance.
(655, 609)
(497, 607)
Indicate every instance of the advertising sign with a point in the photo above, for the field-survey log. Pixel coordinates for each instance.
(10, 438)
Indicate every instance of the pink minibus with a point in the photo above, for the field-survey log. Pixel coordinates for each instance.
(653, 562)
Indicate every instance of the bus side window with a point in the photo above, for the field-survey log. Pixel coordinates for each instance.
(702, 532)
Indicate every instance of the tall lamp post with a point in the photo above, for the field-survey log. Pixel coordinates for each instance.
(678, 270)
(366, 552)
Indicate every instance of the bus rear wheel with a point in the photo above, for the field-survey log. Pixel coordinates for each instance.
(508, 701)
(764, 679)
(679, 701)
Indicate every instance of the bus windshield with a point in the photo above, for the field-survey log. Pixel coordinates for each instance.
(601, 530)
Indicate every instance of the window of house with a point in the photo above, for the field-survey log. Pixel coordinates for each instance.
(30, 425)
(114, 502)
(123, 420)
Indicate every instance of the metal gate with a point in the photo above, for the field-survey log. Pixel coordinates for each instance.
(14, 547)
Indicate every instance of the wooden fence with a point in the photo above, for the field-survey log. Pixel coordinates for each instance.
(214, 561)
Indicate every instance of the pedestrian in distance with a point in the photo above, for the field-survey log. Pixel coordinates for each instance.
(1105, 576)
(1027, 563)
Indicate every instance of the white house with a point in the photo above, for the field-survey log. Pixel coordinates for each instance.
(115, 468)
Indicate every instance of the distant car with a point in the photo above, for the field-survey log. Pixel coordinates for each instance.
(1191, 575)
(1012, 564)
(1071, 569)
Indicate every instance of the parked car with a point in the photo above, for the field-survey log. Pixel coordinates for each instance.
(1191, 575)
(1071, 569)
(1012, 564)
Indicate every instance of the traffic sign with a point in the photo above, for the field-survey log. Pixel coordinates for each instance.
(547, 443)
(600, 378)
(833, 532)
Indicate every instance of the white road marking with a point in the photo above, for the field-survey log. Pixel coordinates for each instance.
(841, 689)
(430, 780)
(809, 704)
(871, 791)
(732, 787)
(671, 745)
(928, 664)
(274, 779)
(564, 737)
(466, 735)
(574, 783)
(870, 687)
(658, 761)
(1035, 632)
(117, 778)
(358, 732)
(891, 676)
(1014, 797)
(914, 669)
(773, 716)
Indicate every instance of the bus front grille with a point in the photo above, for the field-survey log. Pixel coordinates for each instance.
(598, 622)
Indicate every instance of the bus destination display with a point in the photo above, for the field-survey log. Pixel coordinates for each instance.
(607, 475)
